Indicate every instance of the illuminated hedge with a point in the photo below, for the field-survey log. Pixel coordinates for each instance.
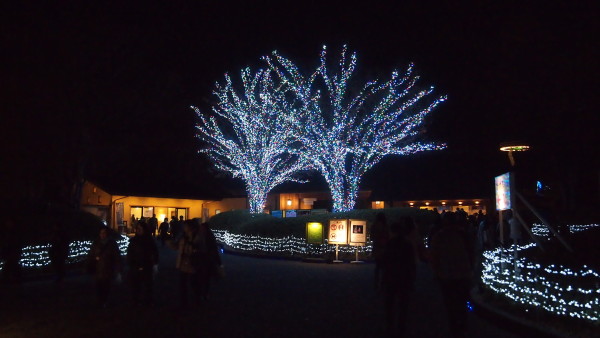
(37, 256)
(289, 245)
(554, 288)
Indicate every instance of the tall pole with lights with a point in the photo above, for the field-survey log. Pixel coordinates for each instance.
(511, 147)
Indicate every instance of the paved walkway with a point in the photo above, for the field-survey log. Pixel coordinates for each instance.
(258, 298)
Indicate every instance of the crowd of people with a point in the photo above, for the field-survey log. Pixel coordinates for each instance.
(453, 250)
(198, 261)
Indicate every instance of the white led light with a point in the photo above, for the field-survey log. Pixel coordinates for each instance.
(554, 288)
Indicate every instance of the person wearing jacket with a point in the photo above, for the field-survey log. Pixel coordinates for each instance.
(196, 260)
(104, 262)
(452, 260)
(398, 274)
(142, 256)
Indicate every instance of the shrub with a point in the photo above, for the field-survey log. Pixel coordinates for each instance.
(242, 222)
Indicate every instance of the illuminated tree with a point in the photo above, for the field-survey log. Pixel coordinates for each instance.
(346, 134)
(249, 136)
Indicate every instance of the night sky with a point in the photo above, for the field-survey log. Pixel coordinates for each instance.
(104, 90)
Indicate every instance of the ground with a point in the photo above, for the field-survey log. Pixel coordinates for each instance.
(257, 298)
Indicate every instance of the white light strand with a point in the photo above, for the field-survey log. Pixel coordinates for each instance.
(345, 135)
(542, 230)
(249, 135)
(36, 256)
(289, 245)
(554, 288)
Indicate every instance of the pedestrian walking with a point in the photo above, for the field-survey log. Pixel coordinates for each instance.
(211, 255)
(176, 229)
(142, 259)
(152, 225)
(59, 250)
(11, 248)
(104, 262)
(452, 263)
(192, 263)
(163, 232)
(380, 236)
(398, 267)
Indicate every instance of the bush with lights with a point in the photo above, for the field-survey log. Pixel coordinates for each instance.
(265, 234)
(82, 228)
(558, 283)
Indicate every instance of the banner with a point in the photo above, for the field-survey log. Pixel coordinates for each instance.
(358, 232)
(503, 196)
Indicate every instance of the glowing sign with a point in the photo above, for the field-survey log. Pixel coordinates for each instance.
(503, 201)
(358, 232)
(338, 231)
(314, 233)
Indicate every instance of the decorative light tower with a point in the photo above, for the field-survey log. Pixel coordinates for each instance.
(512, 146)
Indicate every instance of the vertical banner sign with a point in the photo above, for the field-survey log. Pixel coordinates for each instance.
(338, 231)
(503, 192)
(358, 232)
(314, 233)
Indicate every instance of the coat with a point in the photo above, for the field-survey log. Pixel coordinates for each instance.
(142, 252)
(198, 254)
(104, 259)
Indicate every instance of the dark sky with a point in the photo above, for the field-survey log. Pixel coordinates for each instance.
(107, 88)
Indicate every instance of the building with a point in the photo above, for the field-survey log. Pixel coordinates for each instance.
(118, 208)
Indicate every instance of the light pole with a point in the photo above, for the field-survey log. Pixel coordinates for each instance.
(512, 146)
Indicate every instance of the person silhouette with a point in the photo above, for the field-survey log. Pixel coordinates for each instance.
(398, 265)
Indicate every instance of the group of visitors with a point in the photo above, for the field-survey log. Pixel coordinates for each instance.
(450, 255)
(197, 261)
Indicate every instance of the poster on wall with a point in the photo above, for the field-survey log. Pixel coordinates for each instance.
(503, 196)
(119, 213)
(314, 233)
(338, 231)
(358, 232)
(147, 212)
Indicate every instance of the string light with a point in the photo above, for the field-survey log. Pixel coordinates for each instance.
(345, 136)
(542, 230)
(553, 288)
(36, 256)
(250, 136)
(289, 245)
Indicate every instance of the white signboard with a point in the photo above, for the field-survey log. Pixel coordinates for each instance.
(358, 232)
(338, 231)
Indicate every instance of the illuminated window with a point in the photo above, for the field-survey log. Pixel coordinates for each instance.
(289, 202)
